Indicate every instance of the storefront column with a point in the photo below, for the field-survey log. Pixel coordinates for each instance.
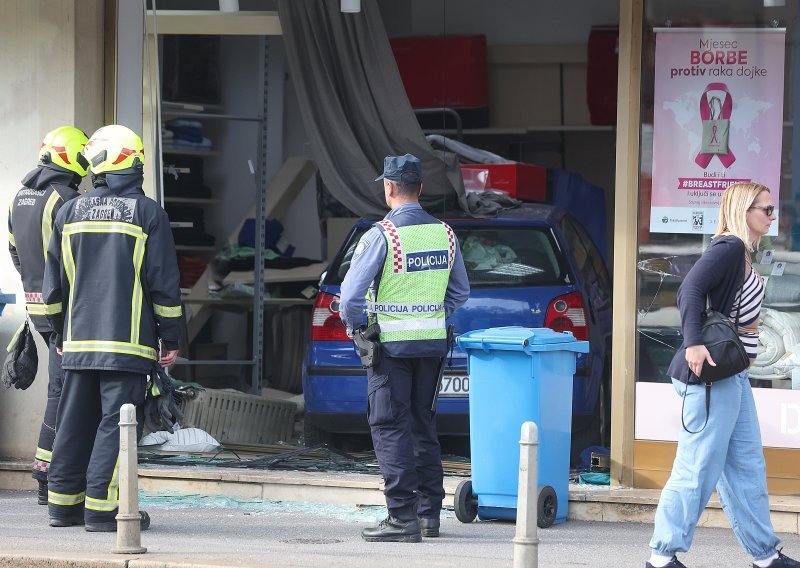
(52, 69)
(626, 213)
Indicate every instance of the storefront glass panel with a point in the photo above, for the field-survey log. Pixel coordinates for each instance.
(714, 73)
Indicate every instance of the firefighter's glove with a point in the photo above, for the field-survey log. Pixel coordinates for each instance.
(22, 360)
(161, 411)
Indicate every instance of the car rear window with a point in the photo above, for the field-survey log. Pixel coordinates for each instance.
(494, 257)
(510, 257)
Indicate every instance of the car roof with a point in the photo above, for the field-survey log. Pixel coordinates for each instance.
(538, 212)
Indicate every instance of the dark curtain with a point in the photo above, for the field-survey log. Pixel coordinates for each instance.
(355, 107)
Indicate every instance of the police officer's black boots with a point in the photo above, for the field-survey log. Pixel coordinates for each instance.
(392, 529)
(429, 526)
(41, 494)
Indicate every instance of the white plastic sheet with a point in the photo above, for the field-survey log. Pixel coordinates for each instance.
(183, 440)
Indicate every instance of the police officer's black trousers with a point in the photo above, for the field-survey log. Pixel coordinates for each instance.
(404, 434)
(47, 433)
(85, 466)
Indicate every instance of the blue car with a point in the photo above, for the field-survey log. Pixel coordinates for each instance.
(533, 266)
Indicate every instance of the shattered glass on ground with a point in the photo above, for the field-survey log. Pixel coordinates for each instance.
(347, 513)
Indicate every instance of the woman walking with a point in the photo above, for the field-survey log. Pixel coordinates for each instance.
(725, 452)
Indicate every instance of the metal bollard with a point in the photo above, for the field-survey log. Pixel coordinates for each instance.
(129, 534)
(526, 539)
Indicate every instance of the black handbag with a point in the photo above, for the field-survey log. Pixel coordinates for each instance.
(721, 338)
(22, 360)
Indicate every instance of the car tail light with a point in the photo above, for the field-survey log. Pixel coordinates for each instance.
(326, 325)
(567, 313)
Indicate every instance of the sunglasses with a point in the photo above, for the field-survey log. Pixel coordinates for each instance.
(769, 209)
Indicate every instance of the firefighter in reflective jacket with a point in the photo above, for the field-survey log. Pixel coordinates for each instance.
(30, 223)
(411, 265)
(111, 279)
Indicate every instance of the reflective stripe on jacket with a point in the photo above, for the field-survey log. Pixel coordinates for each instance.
(30, 223)
(113, 269)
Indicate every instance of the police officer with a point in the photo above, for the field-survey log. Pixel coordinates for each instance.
(111, 279)
(30, 220)
(411, 267)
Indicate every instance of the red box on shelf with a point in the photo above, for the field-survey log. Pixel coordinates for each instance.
(520, 181)
(443, 71)
(601, 74)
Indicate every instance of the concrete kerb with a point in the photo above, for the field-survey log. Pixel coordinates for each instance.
(34, 560)
(25, 560)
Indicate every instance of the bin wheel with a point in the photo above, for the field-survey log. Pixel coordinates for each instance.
(466, 504)
(546, 507)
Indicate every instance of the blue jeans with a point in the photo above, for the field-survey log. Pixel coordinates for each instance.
(727, 454)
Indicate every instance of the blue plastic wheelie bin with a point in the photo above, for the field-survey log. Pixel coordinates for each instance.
(6, 299)
(518, 374)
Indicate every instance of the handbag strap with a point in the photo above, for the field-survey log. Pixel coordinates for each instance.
(741, 290)
(741, 293)
(708, 408)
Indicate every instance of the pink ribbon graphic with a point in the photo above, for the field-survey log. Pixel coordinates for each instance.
(703, 158)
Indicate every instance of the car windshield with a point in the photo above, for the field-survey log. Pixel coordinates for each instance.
(494, 257)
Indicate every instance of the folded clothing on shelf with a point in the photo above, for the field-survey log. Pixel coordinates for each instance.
(273, 229)
(185, 130)
(186, 214)
(191, 190)
(192, 237)
(183, 168)
(181, 133)
(183, 177)
(234, 258)
(203, 144)
(191, 269)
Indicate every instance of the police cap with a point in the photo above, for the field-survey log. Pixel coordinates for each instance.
(405, 169)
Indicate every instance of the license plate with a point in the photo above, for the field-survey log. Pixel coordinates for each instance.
(454, 385)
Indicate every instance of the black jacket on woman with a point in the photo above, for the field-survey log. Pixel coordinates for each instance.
(717, 275)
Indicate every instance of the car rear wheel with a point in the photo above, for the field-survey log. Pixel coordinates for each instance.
(313, 435)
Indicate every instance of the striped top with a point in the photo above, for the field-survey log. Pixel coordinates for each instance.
(749, 297)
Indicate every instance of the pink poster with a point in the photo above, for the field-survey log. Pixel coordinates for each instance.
(717, 119)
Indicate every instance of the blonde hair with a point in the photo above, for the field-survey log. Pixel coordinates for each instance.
(736, 201)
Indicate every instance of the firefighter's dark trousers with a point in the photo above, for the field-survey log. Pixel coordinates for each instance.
(85, 467)
(404, 434)
(47, 433)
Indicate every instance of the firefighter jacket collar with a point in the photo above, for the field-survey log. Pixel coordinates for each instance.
(118, 184)
(42, 177)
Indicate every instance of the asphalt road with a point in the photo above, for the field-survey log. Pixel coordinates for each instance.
(197, 530)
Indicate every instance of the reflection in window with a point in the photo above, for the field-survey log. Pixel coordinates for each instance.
(665, 258)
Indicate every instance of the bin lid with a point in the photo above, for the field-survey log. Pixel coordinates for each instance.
(515, 338)
(6, 299)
